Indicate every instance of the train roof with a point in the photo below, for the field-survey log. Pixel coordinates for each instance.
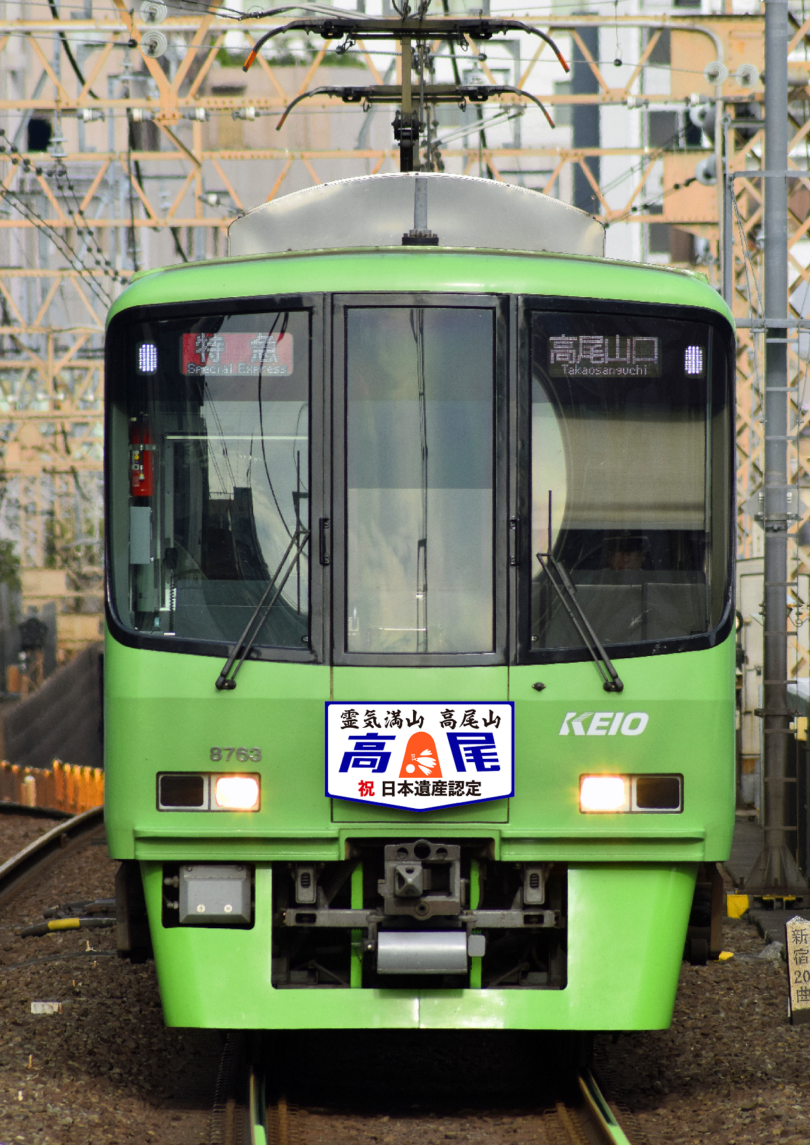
(378, 210)
(405, 269)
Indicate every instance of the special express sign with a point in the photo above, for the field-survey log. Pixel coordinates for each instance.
(419, 757)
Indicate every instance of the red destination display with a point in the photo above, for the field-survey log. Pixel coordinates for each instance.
(245, 355)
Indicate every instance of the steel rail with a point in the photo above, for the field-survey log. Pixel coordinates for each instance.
(242, 1111)
(21, 866)
(257, 1111)
(604, 1117)
(9, 807)
(239, 1112)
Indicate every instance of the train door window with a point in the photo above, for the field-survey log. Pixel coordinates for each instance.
(419, 389)
(629, 477)
(210, 476)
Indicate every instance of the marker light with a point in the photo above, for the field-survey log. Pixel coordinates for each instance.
(147, 357)
(603, 793)
(237, 792)
(693, 360)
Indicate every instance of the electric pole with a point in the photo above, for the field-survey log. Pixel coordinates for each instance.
(777, 870)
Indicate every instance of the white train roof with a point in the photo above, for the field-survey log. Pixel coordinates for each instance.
(376, 210)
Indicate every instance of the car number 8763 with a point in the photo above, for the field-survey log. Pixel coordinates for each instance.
(240, 754)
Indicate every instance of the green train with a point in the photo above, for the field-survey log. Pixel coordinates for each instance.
(420, 655)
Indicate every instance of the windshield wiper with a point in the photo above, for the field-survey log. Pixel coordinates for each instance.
(566, 590)
(567, 593)
(226, 681)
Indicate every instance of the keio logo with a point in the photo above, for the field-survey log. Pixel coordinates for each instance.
(604, 723)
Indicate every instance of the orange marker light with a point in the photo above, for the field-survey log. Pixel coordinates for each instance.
(237, 792)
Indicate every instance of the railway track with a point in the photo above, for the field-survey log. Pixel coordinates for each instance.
(32, 860)
(248, 1109)
(597, 1112)
(96, 1066)
(247, 1113)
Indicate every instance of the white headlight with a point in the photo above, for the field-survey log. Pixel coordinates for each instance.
(604, 793)
(237, 792)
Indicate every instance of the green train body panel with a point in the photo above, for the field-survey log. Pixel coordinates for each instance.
(630, 876)
(403, 269)
(163, 714)
(221, 978)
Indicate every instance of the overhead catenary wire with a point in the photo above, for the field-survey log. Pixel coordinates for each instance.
(466, 91)
(132, 243)
(103, 261)
(537, 11)
(501, 25)
(636, 169)
(61, 172)
(656, 201)
(59, 242)
(309, 53)
(495, 121)
(66, 46)
(321, 9)
(370, 50)
(74, 262)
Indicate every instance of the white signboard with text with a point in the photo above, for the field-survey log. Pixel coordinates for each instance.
(420, 757)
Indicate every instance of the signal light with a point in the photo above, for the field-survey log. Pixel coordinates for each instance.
(604, 793)
(236, 792)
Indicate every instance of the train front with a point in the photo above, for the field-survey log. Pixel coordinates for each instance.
(420, 663)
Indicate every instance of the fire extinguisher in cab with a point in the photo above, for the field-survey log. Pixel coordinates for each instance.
(142, 463)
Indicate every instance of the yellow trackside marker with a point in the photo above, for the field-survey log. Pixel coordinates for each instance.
(724, 955)
(737, 905)
(64, 924)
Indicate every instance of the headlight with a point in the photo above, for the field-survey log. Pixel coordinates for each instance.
(236, 792)
(207, 791)
(657, 794)
(604, 793)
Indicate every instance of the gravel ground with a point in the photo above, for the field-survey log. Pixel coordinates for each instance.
(422, 1087)
(18, 830)
(480, 1128)
(731, 1068)
(104, 1070)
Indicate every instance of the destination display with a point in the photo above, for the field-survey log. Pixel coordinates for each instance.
(419, 757)
(604, 356)
(242, 354)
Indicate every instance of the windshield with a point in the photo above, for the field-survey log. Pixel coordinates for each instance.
(431, 510)
(630, 456)
(419, 479)
(209, 468)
